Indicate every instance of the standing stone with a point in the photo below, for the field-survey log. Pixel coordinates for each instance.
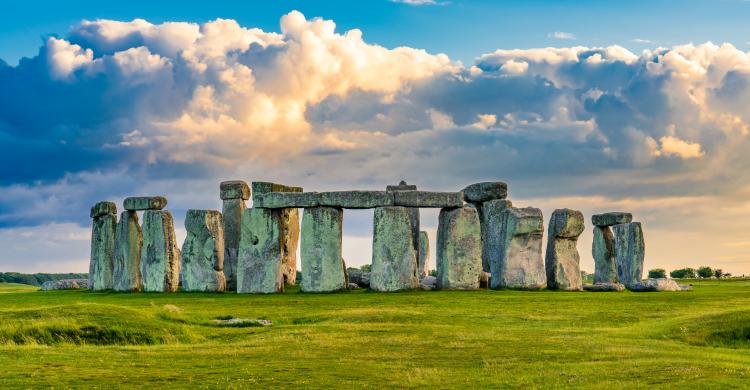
(424, 254)
(233, 195)
(491, 218)
(104, 216)
(160, 257)
(323, 268)
(260, 266)
(459, 249)
(394, 261)
(203, 252)
(515, 253)
(413, 213)
(603, 252)
(289, 219)
(127, 261)
(629, 252)
(562, 260)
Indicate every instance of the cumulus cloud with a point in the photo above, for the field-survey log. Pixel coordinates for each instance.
(561, 35)
(116, 108)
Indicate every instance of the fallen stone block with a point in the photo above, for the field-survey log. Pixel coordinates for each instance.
(160, 256)
(279, 200)
(202, 260)
(103, 231)
(424, 254)
(144, 203)
(260, 267)
(126, 273)
(264, 187)
(629, 252)
(604, 287)
(323, 268)
(65, 284)
(603, 252)
(654, 285)
(234, 189)
(609, 219)
(356, 199)
(352, 286)
(394, 261)
(516, 252)
(459, 249)
(485, 191)
(562, 259)
(428, 199)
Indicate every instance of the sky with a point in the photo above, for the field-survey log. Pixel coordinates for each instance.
(590, 105)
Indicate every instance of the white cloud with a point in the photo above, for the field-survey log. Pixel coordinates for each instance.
(420, 2)
(673, 146)
(561, 35)
(641, 40)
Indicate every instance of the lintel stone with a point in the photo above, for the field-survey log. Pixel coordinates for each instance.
(280, 200)
(234, 189)
(428, 199)
(485, 191)
(609, 219)
(103, 208)
(134, 203)
(263, 187)
(356, 199)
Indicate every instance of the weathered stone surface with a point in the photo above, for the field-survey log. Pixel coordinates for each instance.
(352, 286)
(604, 287)
(394, 261)
(609, 219)
(202, 260)
(562, 259)
(413, 212)
(144, 203)
(361, 278)
(279, 200)
(234, 189)
(103, 208)
(603, 251)
(485, 191)
(629, 252)
(323, 267)
(490, 216)
(231, 211)
(653, 285)
(515, 252)
(428, 199)
(126, 274)
(356, 199)
(424, 254)
(65, 284)
(290, 230)
(101, 265)
(260, 267)
(459, 249)
(160, 257)
(264, 187)
(428, 283)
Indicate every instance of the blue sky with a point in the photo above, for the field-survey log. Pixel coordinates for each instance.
(590, 105)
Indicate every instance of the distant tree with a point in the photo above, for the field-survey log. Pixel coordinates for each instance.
(657, 273)
(718, 273)
(705, 272)
(683, 273)
(727, 275)
(433, 272)
(366, 268)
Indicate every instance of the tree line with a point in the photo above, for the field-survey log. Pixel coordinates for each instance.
(36, 279)
(704, 272)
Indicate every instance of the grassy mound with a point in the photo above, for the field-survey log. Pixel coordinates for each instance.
(730, 330)
(90, 324)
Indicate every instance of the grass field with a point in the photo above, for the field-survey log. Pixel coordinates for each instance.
(438, 339)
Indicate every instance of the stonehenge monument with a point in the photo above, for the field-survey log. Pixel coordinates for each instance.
(482, 240)
(202, 260)
(562, 259)
(323, 268)
(233, 195)
(459, 249)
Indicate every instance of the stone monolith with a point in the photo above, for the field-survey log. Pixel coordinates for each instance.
(394, 261)
(413, 213)
(260, 268)
(202, 260)
(562, 261)
(323, 267)
(233, 194)
(289, 218)
(459, 249)
(103, 232)
(424, 254)
(491, 220)
(515, 254)
(160, 256)
(629, 252)
(126, 274)
(603, 252)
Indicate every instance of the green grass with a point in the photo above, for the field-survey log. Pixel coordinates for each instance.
(436, 339)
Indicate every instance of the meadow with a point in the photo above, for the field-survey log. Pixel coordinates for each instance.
(352, 339)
